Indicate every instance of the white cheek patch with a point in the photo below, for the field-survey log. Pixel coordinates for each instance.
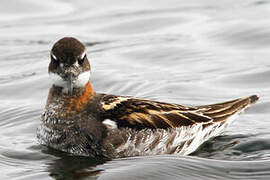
(82, 79)
(57, 80)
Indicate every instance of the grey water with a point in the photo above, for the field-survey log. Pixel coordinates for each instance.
(188, 52)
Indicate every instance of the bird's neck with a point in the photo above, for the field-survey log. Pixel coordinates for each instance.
(88, 90)
(78, 101)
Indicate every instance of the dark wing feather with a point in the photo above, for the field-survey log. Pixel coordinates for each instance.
(221, 111)
(138, 113)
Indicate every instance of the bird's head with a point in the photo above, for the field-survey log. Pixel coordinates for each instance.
(69, 66)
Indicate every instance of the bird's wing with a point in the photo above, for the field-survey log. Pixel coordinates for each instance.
(138, 113)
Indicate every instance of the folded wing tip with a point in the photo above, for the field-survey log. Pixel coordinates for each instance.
(253, 99)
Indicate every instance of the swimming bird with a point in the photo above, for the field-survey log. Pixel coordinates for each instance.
(79, 121)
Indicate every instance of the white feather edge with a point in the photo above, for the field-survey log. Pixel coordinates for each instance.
(109, 124)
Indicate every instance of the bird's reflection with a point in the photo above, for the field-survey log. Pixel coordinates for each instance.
(73, 167)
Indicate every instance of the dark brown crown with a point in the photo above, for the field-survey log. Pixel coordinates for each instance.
(67, 51)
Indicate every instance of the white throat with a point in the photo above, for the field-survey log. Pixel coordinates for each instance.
(81, 81)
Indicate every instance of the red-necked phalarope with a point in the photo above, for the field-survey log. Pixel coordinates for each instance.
(80, 121)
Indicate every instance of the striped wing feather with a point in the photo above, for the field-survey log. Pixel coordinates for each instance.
(138, 113)
(222, 111)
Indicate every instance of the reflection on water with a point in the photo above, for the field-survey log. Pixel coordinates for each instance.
(187, 52)
(157, 167)
(69, 167)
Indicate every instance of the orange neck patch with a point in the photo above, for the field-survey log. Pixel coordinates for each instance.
(78, 103)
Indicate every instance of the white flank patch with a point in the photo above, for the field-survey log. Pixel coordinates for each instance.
(82, 79)
(182, 140)
(109, 124)
(209, 132)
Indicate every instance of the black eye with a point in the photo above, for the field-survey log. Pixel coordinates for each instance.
(80, 61)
